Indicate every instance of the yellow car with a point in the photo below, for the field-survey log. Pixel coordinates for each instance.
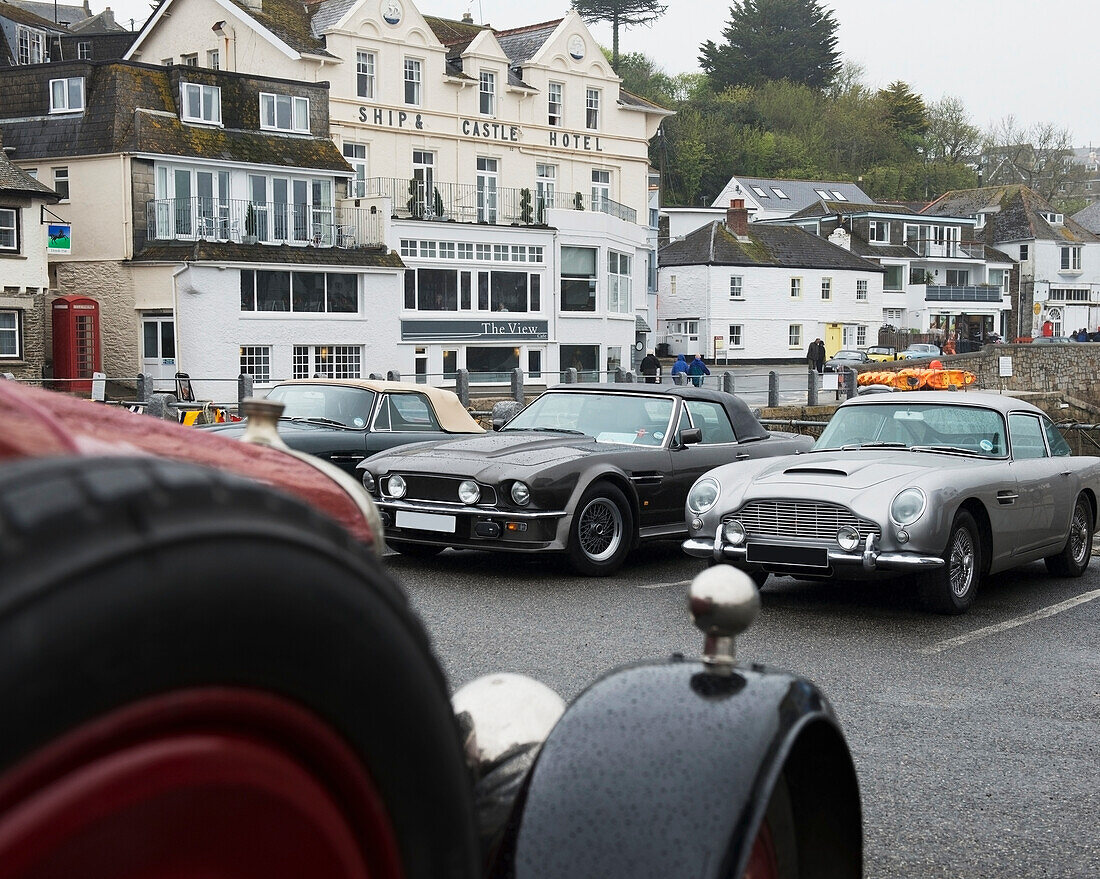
(882, 353)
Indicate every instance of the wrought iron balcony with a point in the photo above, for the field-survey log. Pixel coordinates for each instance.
(963, 294)
(419, 199)
(247, 222)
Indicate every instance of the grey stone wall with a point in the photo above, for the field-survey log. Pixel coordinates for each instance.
(144, 191)
(110, 283)
(32, 303)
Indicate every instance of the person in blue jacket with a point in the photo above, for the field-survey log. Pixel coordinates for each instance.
(697, 370)
(680, 367)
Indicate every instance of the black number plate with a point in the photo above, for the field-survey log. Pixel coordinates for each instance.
(798, 556)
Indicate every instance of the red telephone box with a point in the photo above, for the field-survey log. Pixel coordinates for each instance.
(75, 342)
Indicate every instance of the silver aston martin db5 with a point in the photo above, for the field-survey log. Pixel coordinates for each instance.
(945, 486)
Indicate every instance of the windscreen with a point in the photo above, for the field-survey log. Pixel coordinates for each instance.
(970, 429)
(348, 407)
(609, 418)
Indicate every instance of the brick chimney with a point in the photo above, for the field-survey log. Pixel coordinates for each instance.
(467, 17)
(737, 217)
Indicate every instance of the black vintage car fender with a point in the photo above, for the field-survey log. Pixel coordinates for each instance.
(672, 770)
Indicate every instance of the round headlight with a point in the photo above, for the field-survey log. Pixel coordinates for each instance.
(521, 494)
(703, 495)
(368, 481)
(734, 532)
(396, 487)
(908, 506)
(468, 492)
(847, 537)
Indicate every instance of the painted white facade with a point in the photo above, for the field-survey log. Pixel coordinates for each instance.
(468, 157)
(1068, 297)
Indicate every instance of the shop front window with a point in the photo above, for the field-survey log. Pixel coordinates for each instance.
(583, 358)
(491, 365)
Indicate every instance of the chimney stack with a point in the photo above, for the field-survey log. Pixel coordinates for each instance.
(737, 217)
(467, 18)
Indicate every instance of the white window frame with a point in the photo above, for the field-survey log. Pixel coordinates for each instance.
(297, 108)
(414, 79)
(861, 336)
(214, 59)
(61, 175)
(618, 282)
(327, 361)
(191, 60)
(1070, 259)
(826, 288)
(554, 107)
(796, 288)
(14, 332)
(592, 109)
(366, 71)
(601, 189)
(861, 288)
(737, 287)
(878, 232)
(487, 93)
(67, 104)
(84, 50)
(794, 336)
(488, 189)
(1025, 252)
(736, 337)
(31, 44)
(9, 230)
(256, 362)
(356, 154)
(202, 91)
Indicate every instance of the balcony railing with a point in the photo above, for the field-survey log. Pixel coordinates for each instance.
(484, 203)
(247, 222)
(963, 294)
(946, 249)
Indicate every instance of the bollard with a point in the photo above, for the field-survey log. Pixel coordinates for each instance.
(811, 388)
(570, 376)
(244, 386)
(162, 406)
(727, 382)
(629, 377)
(393, 375)
(517, 385)
(850, 381)
(679, 379)
(620, 376)
(773, 389)
(144, 387)
(375, 377)
(462, 386)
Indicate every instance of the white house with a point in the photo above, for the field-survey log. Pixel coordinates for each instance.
(1059, 259)
(513, 169)
(769, 199)
(739, 291)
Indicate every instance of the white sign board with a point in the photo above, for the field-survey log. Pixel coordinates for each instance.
(1004, 367)
(830, 381)
(99, 386)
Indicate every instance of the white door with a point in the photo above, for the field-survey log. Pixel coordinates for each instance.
(158, 355)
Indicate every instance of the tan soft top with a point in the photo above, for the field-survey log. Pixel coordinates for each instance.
(452, 415)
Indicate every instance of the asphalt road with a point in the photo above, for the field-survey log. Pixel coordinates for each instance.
(976, 738)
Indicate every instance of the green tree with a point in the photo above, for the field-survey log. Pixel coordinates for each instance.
(904, 109)
(620, 14)
(641, 76)
(771, 40)
(951, 137)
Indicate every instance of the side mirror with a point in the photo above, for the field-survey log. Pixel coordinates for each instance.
(690, 436)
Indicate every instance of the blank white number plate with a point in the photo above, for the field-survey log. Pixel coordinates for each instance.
(425, 521)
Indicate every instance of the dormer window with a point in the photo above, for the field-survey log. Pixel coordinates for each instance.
(284, 113)
(67, 95)
(1056, 219)
(488, 93)
(201, 103)
(879, 232)
(32, 45)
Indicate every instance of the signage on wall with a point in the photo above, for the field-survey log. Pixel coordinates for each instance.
(60, 238)
(474, 330)
(479, 129)
(391, 12)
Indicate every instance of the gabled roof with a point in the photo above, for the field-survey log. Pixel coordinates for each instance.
(822, 208)
(100, 23)
(521, 43)
(289, 20)
(20, 15)
(800, 193)
(455, 35)
(66, 13)
(1089, 217)
(16, 181)
(1015, 212)
(767, 246)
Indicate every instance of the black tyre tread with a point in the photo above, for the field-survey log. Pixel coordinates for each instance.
(935, 587)
(577, 558)
(1061, 564)
(71, 528)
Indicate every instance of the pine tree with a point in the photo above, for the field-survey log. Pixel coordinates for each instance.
(771, 40)
(619, 13)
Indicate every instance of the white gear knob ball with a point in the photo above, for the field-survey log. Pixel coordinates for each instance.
(507, 710)
(724, 601)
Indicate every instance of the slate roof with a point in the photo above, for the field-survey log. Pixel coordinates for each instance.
(66, 13)
(774, 246)
(100, 23)
(289, 20)
(327, 14)
(800, 193)
(822, 208)
(521, 44)
(1014, 213)
(134, 108)
(21, 15)
(1089, 217)
(284, 254)
(16, 181)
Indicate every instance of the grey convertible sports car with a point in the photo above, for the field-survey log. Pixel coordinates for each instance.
(947, 486)
(589, 470)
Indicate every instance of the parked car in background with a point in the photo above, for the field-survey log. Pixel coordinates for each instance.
(943, 486)
(919, 349)
(347, 420)
(587, 470)
(882, 353)
(204, 675)
(1051, 340)
(846, 359)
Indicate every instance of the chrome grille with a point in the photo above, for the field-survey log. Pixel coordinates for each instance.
(442, 488)
(800, 519)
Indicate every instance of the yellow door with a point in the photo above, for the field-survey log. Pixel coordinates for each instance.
(834, 339)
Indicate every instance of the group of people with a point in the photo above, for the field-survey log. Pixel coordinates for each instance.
(1083, 335)
(815, 355)
(650, 368)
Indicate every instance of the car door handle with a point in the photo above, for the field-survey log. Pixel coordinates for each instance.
(354, 458)
(742, 456)
(1007, 497)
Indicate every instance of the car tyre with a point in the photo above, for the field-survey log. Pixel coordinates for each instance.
(602, 531)
(951, 589)
(146, 605)
(414, 550)
(1074, 558)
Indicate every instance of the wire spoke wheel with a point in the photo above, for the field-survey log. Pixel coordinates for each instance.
(600, 529)
(962, 562)
(1079, 534)
(1075, 556)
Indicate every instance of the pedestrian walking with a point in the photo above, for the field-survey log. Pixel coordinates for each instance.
(697, 370)
(680, 367)
(650, 367)
(817, 360)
